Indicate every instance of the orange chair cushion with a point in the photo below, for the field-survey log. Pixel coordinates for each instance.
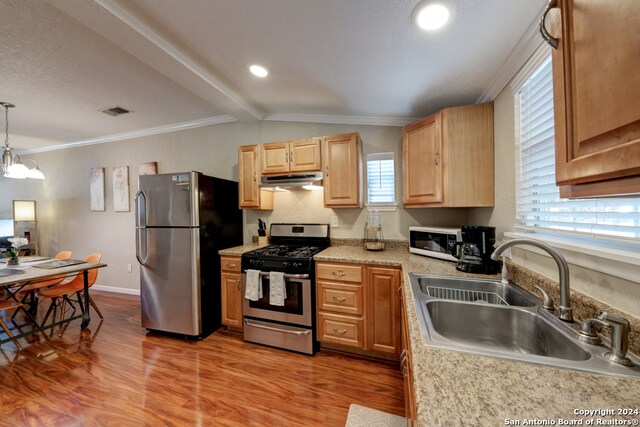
(57, 291)
(9, 304)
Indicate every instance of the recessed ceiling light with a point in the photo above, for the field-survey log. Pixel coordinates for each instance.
(431, 16)
(258, 71)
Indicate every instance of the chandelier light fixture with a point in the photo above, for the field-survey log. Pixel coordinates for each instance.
(12, 166)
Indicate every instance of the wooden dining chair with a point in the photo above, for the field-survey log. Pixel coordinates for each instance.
(60, 294)
(28, 291)
(9, 305)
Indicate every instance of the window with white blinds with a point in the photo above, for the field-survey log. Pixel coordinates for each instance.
(538, 202)
(380, 179)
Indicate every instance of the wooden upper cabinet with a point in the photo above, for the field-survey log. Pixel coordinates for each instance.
(596, 89)
(421, 156)
(342, 167)
(305, 155)
(251, 196)
(292, 156)
(448, 158)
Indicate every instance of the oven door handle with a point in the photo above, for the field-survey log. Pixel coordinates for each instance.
(271, 328)
(289, 276)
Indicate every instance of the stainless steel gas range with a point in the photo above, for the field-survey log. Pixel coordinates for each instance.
(291, 325)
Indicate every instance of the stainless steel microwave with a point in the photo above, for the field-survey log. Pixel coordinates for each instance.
(435, 242)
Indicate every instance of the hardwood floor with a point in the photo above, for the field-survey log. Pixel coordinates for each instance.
(115, 373)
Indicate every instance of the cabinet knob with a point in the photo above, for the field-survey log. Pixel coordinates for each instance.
(339, 299)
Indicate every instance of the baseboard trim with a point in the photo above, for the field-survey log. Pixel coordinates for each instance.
(116, 290)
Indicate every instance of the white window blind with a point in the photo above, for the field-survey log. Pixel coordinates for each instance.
(538, 204)
(380, 179)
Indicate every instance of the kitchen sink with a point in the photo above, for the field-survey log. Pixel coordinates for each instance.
(517, 331)
(491, 318)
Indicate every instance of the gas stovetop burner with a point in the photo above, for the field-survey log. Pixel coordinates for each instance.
(286, 251)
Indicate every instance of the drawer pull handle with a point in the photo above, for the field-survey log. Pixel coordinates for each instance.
(339, 299)
(230, 265)
(238, 284)
(338, 273)
(340, 331)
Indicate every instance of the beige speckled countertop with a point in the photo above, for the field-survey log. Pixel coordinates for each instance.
(454, 388)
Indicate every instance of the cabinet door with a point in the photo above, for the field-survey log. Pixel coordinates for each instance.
(422, 161)
(342, 158)
(383, 323)
(251, 196)
(248, 176)
(304, 155)
(275, 158)
(231, 299)
(596, 88)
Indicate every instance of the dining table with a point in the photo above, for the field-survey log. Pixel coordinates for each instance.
(33, 269)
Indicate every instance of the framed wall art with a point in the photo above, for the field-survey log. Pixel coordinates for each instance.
(149, 168)
(121, 188)
(96, 189)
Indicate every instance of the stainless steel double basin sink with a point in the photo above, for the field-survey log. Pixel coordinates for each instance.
(498, 319)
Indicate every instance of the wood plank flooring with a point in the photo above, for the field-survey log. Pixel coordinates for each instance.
(116, 373)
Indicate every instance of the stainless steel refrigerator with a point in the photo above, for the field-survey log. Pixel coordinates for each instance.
(182, 220)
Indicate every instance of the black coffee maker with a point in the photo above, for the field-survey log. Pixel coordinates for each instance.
(474, 253)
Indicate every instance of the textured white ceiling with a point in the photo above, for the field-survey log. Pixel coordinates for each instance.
(176, 61)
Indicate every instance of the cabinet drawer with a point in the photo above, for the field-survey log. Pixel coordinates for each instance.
(344, 330)
(342, 272)
(340, 298)
(230, 264)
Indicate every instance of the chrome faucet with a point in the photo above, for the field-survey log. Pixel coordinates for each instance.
(564, 310)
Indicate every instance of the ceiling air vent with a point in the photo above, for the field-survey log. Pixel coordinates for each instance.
(116, 111)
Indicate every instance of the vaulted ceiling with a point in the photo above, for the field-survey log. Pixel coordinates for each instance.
(184, 62)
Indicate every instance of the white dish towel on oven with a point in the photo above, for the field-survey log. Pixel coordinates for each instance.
(253, 286)
(277, 291)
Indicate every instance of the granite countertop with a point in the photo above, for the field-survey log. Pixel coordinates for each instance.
(237, 250)
(455, 388)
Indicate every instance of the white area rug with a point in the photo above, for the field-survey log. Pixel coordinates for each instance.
(361, 416)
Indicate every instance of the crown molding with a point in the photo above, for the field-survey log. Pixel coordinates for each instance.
(137, 133)
(526, 46)
(340, 120)
(181, 54)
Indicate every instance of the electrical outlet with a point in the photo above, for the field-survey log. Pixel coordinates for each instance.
(334, 222)
(129, 269)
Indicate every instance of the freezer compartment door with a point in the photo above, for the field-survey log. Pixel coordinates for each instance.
(170, 281)
(170, 200)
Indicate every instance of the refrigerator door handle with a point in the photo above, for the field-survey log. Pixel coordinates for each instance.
(139, 231)
(141, 209)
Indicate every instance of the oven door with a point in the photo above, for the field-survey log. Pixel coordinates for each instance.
(297, 306)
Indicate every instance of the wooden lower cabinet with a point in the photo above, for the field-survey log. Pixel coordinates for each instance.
(407, 370)
(358, 306)
(231, 283)
(383, 286)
